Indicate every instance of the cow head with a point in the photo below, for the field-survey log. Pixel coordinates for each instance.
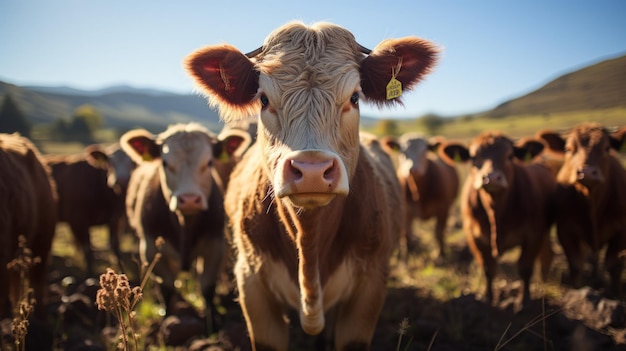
(493, 156)
(307, 83)
(185, 154)
(115, 161)
(587, 150)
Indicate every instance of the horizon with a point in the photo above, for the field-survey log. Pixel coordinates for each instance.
(492, 52)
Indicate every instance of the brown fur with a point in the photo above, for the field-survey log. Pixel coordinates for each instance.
(28, 208)
(504, 204)
(86, 199)
(592, 201)
(308, 205)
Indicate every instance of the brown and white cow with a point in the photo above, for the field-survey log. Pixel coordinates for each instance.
(27, 208)
(314, 213)
(174, 193)
(92, 188)
(429, 183)
(505, 203)
(592, 200)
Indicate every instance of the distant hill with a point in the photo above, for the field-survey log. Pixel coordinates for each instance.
(122, 107)
(598, 86)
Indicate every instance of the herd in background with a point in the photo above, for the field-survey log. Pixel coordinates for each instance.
(312, 230)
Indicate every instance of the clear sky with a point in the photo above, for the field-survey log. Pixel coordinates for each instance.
(493, 50)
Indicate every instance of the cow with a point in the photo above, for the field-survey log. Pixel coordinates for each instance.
(315, 214)
(505, 203)
(591, 209)
(174, 193)
(91, 186)
(430, 185)
(27, 209)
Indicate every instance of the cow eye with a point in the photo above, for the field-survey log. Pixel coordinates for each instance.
(354, 99)
(264, 101)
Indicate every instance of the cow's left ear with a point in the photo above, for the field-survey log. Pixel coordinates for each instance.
(231, 145)
(390, 144)
(452, 152)
(140, 145)
(618, 139)
(227, 77)
(527, 149)
(553, 140)
(96, 156)
(395, 66)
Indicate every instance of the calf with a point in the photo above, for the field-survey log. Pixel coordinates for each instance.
(314, 213)
(430, 185)
(592, 200)
(92, 187)
(174, 194)
(28, 209)
(505, 203)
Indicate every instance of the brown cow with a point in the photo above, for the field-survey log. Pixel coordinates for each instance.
(174, 193)
(92, 188)
(505, 203)
(27, 208)
(429, 183)
(592, 200)
(315, 215)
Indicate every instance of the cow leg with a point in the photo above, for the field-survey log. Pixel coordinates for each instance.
(82, 238)
(546, 256)
(213, 259)
(440, 234)
(569, 237)
(116, 226)
(265, 320)
(357, 317)
(614, 263)
(525, 266)
(167, 268)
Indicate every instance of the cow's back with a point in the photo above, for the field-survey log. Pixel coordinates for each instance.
(28, 208)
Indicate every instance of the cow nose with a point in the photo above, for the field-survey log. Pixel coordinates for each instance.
(494, 181)
(312, 176)
(588, 175)
(189, 203)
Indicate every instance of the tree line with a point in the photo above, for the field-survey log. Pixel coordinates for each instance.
(79, 127)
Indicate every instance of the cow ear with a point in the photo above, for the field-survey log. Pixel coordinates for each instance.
(618, 139)
(140, 145)
(228, 79)
(435, 142)
(527, 149)
(233, 144)
(453, 152)
(390, 144)
(406, 60)
(553, 140)
(97, 157)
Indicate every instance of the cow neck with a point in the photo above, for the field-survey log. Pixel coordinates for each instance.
(494, 205)
(307, 228)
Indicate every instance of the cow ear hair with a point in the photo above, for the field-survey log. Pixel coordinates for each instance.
(552, 139)
(227, 78)
(406, 59)
(390, 144)
(452, 152)
(527, 149)
(96, 156)
(140, 145)
(231, 144)
(618, 139)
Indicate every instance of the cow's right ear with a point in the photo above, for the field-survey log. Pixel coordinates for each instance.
(553, 140)
(227, 77)
(618, 139)
(453, 152)
(140, 145)
(390, 144)
(231, 144)
(96, 156)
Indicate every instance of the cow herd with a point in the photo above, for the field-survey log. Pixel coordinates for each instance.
(306, 211)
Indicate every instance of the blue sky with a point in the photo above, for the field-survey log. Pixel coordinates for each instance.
(493, 50)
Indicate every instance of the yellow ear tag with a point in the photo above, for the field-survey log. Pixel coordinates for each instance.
(394, 87)
(146, 156)
(224, 157)
(457, 157)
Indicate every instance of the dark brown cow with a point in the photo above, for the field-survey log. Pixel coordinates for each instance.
(92, 188)
(27, 208)
(505, 203)
(592, 200)
(314, 213)
(430, 185)
(174, 193)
